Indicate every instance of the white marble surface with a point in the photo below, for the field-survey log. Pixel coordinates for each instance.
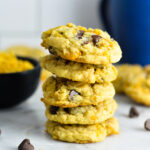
(27, 121)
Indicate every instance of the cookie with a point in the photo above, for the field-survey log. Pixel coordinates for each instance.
(91, 114)
(79, 71)
(76, 43)
(83, 133)
(139, 91)
(66, 93)
(126, 74)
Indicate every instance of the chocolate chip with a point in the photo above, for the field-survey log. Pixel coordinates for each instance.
(80, 34)
(51, 51)
(85, 42)
(72, 93)
(53, 109)
(133, 112)
(95, 39)
(66, 110)
(67, 62)
(147, 124)
(26, 145)
(61, 33)
(50, 47)
(58, 58)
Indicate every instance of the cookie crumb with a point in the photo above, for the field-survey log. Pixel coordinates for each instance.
(26, 145)
(133, 112)
(147, 124)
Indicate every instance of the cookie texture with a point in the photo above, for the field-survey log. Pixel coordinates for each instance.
(91, 114)
(127, 73)
(83, 133)
(79, 71)
(66, 93)
(76, 43)
(139, 91)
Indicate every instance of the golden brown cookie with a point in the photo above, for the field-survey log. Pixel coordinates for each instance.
(79, 71)
(127, 73)
(66, 93)
(76, 43)
(83, 133)
(139, 91)
(91, 114)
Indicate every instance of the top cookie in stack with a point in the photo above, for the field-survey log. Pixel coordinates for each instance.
(76, 43)
(79, 100)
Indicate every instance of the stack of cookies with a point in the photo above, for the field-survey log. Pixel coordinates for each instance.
(79, 96)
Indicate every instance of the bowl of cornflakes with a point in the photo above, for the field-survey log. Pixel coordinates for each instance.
(19, 78)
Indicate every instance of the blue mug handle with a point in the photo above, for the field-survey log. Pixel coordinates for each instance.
(104, 15)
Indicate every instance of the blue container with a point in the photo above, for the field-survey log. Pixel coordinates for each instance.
(128, 21)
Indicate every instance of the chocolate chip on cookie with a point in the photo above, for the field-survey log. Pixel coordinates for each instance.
(72, 93)
(26, 145)
(133, 112)
(53, 109)
(85, 42)
(80, 34)
(50, 49)
(66, 110)
(95, 39)
(147, 124)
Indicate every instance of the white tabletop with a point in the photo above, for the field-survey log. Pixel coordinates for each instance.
(27, 121)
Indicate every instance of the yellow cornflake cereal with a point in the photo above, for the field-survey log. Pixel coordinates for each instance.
(10, 64)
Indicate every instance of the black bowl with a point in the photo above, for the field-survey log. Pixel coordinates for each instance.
(17, 87)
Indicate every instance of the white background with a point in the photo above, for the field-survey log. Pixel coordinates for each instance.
(22, 21)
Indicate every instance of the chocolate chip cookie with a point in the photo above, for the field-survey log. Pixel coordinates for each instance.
(90, 114)
(79, 71)
(66, 93)
(77, 43)
(83, 133)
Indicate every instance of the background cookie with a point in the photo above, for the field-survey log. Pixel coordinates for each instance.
(139, 91)
(126, 74)
(83, 133)
(82, 115)
(78, 71)
(76, 43)
(66, 93)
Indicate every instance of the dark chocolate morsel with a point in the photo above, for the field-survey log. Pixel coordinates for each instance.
(26, 145)
(85, 42)
(133, 112)
(80, 34)
(95, 39)
(66, 110)
(51, 51)
(53, 109)
(72, 93)
(147, 124)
